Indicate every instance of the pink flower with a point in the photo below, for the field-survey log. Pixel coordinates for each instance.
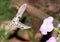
(47, 25)
(52, 39)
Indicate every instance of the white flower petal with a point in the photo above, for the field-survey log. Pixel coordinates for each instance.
(43, 29)
(48, 20)
(44, 32)
(50, 27)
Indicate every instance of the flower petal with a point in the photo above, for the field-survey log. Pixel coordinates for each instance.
(43, 29)
(50, 27)
(44, 32)
(58, 25)
(48, 20)
(52, 39)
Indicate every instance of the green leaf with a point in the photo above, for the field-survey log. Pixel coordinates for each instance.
(2, 32)
(58, 38)
(57, 29)
(31, 34)
(21, 32)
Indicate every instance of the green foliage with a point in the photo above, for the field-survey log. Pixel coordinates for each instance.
(6, 11)
(57, 18)
(24, 18)
(21, 32)
(4, 5)
(31, 32)
(2, 32)
(31, 35)
(3, 36)
(58, 38)
(58, 30)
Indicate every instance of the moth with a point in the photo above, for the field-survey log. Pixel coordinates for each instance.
(15, 21)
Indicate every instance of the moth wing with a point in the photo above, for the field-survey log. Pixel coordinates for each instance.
(23, 26)
(21, 10)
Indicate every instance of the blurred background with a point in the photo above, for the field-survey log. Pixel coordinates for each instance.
(9, 8)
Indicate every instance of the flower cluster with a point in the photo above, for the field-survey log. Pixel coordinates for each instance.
(47, 25)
